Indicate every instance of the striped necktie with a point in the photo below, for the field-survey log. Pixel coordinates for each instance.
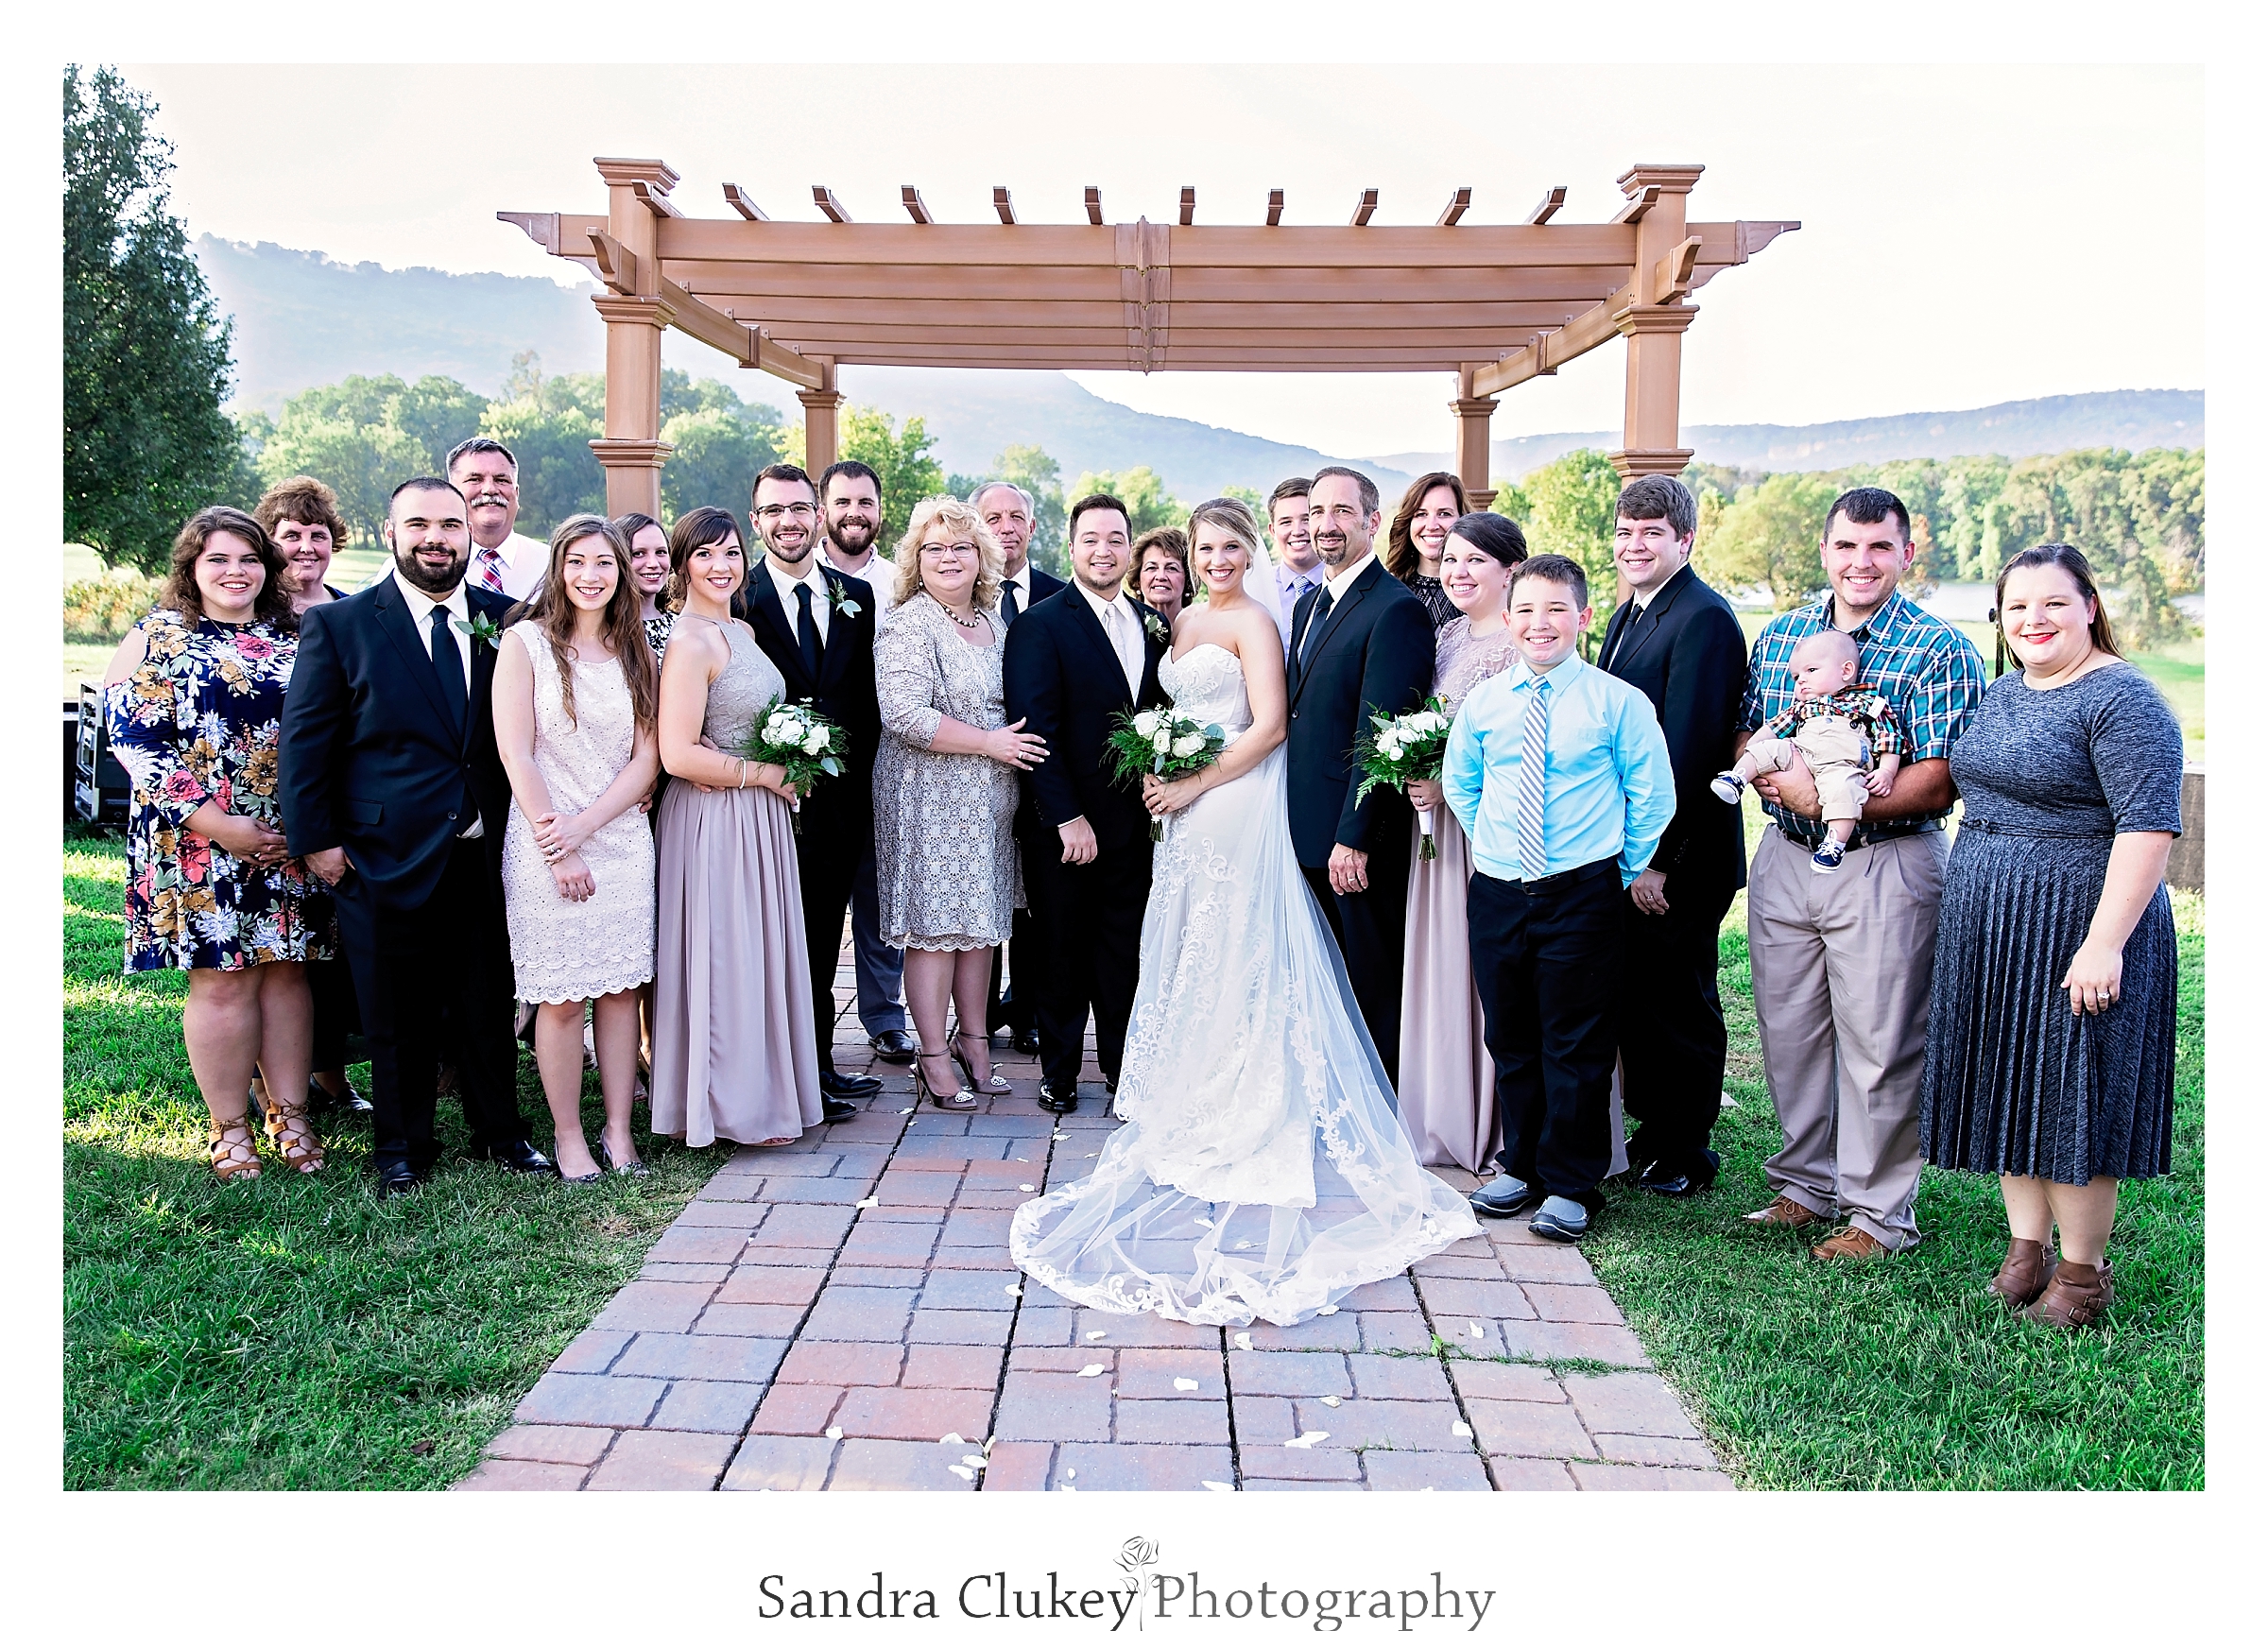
(492, 570)
(1528, 793)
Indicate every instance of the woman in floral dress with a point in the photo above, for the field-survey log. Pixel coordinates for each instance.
(195, 699)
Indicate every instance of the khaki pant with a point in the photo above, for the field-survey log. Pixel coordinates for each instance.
(1830, 750)
(1841, 972)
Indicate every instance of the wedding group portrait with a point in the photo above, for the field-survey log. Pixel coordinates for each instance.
(637, 929)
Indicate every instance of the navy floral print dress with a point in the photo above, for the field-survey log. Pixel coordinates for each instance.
(199, 720)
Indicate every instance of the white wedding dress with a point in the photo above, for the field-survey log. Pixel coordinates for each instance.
(1262, 1171)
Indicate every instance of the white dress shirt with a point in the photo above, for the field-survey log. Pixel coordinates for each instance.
(520, 559)
(786, 584)
(1121, 624)
(1336, 588)
(420, 604)
(1021, 579)
(881, 572)
(1286, 596)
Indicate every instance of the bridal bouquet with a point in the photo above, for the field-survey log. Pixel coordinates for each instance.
(1405, 749)
(804, 742)
(1159, 742)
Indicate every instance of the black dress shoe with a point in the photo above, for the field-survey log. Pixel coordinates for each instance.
(397, 1178)
(842, 1086)
(348, 1103)
(1674, 1180)
(897, 1047)
(834, 1110)
(1026, 1041)
(521, 1157)
(1060, 1097)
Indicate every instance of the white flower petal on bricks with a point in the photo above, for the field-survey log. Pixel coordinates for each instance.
(1185, 1384)
(1096, 1335)
(1244, 1342)
(1329, 1308)
(1217, 1486)
(1026, 1188)
(962, 1473)
(953, 1439)
(1091, 1371)
(1306, 1440)
(1477, 1331)
(834, 1433)
(1460, 1428)
(1015, 1289)
(972, 1461)
(1333, 1401)
(862, 1205)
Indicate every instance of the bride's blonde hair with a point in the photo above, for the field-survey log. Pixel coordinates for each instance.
(1231, 515)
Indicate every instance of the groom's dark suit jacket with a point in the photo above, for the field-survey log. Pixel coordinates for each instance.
(1375, 655)
(368, 760)
(1062, 677)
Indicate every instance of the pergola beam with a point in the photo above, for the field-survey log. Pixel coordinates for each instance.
(1094, 206)
(911, 197)
(1004, 206)
(830, 205)
(1554, 201)
(1363, 209)
(1454, 210)
(1275, 206)
(737, 196)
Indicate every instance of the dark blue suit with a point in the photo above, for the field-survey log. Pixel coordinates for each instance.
(372, 762)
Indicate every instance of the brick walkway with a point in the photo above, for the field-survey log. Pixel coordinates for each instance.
(842, 1314)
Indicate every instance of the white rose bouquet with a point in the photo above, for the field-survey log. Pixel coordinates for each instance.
(1400, 750)
(804, 742)
(1159, 742)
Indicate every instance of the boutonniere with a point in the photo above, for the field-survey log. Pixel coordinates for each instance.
(482, 629)
(1154, 628)
(838, 599)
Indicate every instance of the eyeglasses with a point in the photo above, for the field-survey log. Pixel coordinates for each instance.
(774, 512)
(940, 551)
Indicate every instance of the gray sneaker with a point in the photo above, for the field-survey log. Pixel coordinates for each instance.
(1561, 1219)
(1502, 1197)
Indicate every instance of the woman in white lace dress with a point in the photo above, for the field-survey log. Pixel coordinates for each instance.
(1261, 1171)
(575, 695)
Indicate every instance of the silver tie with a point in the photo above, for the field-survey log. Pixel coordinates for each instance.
(1527, 795)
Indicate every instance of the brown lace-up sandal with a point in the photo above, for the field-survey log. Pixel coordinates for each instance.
(222, 1150)
(297, 1146)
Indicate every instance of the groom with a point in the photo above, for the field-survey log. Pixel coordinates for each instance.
(392, 789)
(1361, 644)
(1073, 663)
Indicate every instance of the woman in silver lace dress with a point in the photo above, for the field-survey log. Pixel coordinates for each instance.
(574, 699)
(945, 784)
(735, 1046)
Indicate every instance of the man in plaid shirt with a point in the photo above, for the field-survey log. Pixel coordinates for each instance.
(1841, 963)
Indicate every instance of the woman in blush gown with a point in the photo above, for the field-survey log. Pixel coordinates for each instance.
(1261, 1171)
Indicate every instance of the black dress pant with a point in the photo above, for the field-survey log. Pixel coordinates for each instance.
(331, 990)
(1671, 1024)
(1368, 926)
(1010, 1007)
(1087, 923)
(440, 975)
(827, 854)
(1547, 962)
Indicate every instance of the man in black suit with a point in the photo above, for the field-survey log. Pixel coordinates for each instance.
(817, 625)
(1074, 664)
(1677, 641)
(1361, 645)
(1008, 509)
(392, 790)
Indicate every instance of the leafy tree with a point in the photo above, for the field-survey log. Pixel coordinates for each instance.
(549, 423)
(439, 413)
(1148, 502)
(1571, 513)
(146, 351)
(1769, 535)
(1512, 500)
(364, 437)
(900, 457)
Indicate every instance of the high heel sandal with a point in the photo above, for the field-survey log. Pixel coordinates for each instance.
(231, 1165)
(607, 1163)
(962, 1099)
(998, 1083)
(297, 1146)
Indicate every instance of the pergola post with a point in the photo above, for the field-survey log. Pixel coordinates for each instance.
(1654, 324)
(822, 423)
(1473, 413)
(632, 451)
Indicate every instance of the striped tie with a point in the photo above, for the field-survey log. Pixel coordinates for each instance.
(491, 570)
(1527, 795)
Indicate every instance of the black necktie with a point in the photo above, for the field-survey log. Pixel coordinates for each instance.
(1322, 603)
(1007, 602)
(449, 668)
(807, 630)
(1622, 635)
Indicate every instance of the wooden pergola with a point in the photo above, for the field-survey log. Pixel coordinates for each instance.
(1494, 305)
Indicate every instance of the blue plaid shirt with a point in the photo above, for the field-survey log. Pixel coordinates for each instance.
(1929, 671)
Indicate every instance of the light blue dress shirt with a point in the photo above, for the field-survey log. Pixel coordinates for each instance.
(1607, 787)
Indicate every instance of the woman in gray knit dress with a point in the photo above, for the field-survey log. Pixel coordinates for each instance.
(2052, 1003)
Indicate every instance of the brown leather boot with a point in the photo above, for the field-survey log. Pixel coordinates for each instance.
(1785, 1213)
(2024, 1273)
(2075, 1294)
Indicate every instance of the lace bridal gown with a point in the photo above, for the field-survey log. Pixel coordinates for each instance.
(1263, 1171)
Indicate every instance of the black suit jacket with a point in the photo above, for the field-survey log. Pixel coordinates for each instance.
(1374, 656)
(1061, 676)
(1044, 587)
(1686, 652)
(368, 761)
(843, 688)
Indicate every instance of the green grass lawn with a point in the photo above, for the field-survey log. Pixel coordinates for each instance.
(295, 1334)
(1907, 1374)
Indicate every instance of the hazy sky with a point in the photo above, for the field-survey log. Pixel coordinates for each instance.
(1970, 234)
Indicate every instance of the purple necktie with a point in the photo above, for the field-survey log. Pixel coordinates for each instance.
(491, 570)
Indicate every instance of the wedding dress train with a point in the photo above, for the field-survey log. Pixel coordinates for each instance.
(1262, 1171)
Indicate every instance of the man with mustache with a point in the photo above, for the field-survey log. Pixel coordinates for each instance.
(1361, 645)
(391, 784)
(851, 515)
(817, 625)
(503, 561)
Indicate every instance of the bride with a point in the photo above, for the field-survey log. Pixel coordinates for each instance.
(1261, 1170)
